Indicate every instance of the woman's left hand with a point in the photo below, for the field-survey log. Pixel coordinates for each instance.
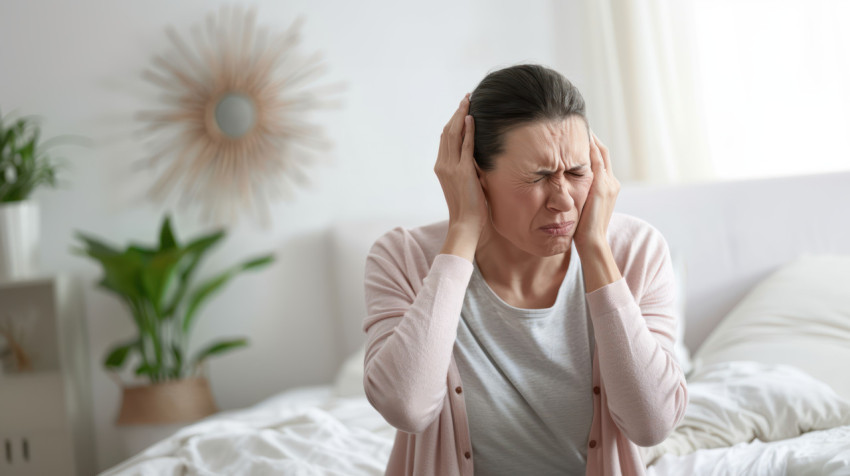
(592, 229)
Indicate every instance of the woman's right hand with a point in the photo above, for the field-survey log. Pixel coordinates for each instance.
(459, 174)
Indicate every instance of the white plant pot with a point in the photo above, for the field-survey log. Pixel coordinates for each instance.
(20, 239)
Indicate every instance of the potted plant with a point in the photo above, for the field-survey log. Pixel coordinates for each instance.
(24, 166)
(156, 283)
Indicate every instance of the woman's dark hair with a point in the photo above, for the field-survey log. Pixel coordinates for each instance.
(515, 96)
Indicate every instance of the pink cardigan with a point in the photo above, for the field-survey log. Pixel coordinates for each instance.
(414, 296)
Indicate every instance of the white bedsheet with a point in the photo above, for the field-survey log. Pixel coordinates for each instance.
(311, 431)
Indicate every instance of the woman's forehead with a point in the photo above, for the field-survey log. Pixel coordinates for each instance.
(544, 143)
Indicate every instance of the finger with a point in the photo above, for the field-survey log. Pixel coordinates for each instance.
(448, 150)
(468, 139)
(455, 124)
(444, 148)
(606, 156)
(596, 162)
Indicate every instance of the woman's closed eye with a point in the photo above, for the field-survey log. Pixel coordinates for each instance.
(574, 174)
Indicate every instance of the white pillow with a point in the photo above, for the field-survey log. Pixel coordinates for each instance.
(799, 315)
(734, 402)
(349, 379)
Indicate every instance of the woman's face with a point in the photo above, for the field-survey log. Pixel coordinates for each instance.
(543, 177)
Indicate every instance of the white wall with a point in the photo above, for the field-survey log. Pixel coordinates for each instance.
(78, 64)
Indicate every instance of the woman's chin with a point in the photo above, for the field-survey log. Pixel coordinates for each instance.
(557, 245)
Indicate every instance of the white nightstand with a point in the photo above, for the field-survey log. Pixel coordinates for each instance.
(46, 425)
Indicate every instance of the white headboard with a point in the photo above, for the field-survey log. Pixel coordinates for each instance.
(731, 235)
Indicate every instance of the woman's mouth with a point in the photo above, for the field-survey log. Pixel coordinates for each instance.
(556, 229)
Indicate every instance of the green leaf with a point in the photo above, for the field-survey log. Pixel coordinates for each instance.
(147, 253)
(95, 245)
(158, 275)
(121, 274)
(218, 348)
(145, 369)
(195, 251)
(116, 357)
(212, 286)
(177, 353)
(203, 243)
(166, 235)
(257, 262)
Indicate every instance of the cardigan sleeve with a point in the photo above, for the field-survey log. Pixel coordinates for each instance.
(645, 386)
(411, 327)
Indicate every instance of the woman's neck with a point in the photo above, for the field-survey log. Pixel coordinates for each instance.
(505, 266)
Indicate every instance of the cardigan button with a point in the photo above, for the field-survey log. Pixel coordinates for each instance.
(596, 390)
(467, 455)
(458, 390)
(592, 443)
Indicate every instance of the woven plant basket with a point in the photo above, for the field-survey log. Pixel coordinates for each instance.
(176, 401)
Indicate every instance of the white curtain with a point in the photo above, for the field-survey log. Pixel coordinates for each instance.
(643, 92)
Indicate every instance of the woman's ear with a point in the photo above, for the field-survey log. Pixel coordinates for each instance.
(481, 176)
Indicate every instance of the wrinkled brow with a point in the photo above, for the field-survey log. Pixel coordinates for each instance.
(571, 169)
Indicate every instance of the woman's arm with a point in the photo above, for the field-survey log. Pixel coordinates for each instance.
(411, 327)
(598, 266)
(645, 386)
(413, 308)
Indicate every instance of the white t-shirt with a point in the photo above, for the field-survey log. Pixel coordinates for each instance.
(527, 379)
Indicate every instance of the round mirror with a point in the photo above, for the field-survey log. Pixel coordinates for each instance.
(235, 114)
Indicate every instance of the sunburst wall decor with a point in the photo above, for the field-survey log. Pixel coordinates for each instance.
(234, 127)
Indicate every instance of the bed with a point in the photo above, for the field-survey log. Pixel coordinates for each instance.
(763, 270)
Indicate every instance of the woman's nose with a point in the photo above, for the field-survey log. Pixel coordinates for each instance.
(560, 198)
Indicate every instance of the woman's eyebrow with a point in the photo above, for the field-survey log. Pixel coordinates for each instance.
(571, 169)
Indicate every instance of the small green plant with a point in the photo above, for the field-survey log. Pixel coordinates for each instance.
(155, 284)
(24, 165)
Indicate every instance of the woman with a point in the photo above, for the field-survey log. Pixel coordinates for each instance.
(532, 332)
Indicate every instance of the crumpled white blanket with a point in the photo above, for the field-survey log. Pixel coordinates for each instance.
(739, 401)
(816, 453)
(337, 436)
